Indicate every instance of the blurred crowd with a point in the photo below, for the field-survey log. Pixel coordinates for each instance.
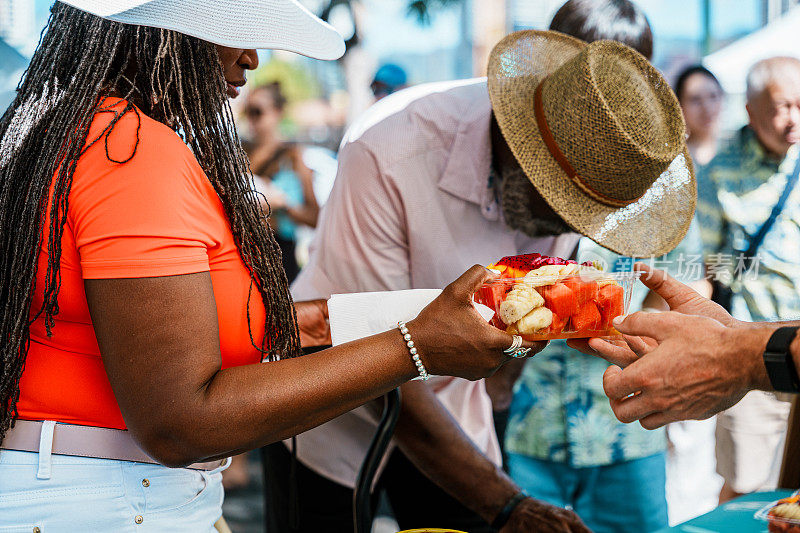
(561, 441)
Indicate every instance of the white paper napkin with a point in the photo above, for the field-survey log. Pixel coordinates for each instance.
(358, 315)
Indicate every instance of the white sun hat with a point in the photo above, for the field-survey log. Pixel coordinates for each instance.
(273, 24)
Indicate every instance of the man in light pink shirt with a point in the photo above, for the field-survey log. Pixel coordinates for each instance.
(427, 186)
(413, 207)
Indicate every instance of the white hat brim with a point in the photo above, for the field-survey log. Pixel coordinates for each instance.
(266, 24)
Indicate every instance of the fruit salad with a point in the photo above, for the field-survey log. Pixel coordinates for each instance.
(543, 298)
(784, 515)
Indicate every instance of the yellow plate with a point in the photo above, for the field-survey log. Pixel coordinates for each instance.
(431, 530)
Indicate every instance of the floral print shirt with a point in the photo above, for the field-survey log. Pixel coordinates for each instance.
(737, 191)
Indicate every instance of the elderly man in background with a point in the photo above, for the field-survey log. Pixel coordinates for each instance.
(749, 206)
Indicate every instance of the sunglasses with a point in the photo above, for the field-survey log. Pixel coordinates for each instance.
(254, 112)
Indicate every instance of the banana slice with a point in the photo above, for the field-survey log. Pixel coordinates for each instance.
(543, 275)
(539, 318)
(519, 302)
(592, 273)
(546, 270)
(787, 510)
(570, 269)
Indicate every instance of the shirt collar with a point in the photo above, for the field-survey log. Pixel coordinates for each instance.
(466, 174)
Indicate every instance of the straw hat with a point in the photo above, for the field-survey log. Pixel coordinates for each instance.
(275, 24)
(600, 135)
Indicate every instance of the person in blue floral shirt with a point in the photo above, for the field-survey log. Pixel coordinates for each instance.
(563, 443)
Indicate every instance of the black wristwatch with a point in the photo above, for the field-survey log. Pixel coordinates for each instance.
(779, 362)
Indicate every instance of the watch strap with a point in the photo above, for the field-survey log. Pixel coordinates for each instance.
(779, 362)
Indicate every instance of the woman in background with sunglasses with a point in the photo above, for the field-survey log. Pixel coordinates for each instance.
(280, 174)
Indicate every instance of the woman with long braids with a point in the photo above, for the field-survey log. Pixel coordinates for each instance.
(140, 287)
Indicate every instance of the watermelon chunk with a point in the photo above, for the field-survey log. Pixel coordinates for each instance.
(559, 299)
(587, 318)
(557, 326)
(491, 295)
(584, 290)
(611, 303)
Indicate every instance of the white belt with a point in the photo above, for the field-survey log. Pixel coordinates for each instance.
(84, 441)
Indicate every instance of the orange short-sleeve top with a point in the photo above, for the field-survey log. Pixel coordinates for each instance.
(155, 215)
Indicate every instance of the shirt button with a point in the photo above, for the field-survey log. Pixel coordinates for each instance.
(145, 482)
(138, 519)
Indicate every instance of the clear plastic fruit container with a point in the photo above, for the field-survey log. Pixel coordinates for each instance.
(779, 524)
(548, 307)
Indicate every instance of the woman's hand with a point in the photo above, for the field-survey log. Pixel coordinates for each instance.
(453, 338)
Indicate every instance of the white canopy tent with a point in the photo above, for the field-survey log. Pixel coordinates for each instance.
(731, 63)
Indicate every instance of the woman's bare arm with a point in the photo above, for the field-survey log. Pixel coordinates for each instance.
(160, 345)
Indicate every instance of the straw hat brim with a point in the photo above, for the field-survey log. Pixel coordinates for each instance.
(261, 24)
(653, 225)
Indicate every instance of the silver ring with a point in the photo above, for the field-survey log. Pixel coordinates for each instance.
(516, 344)
(520, 353)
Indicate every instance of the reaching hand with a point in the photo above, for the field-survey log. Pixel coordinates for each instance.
(682, 298)
(534, 515)
(698, 368)
(679, 297)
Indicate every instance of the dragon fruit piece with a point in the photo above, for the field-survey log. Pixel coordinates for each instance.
(520, 262)
(533, 261)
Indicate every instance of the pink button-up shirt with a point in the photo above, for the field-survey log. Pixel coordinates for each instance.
(412, 207)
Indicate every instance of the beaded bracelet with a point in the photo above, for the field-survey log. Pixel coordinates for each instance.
(423, 374)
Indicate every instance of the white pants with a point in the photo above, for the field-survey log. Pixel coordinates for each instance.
(693, 484)
(62, 493)
(750, 439)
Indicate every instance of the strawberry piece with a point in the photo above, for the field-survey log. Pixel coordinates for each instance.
(559, 299)
(584, 290)
(611, 303)
(587, 319)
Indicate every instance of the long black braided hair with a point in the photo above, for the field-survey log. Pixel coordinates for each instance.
(173, 78)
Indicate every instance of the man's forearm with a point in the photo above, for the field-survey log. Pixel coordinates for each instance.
(434, 442)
